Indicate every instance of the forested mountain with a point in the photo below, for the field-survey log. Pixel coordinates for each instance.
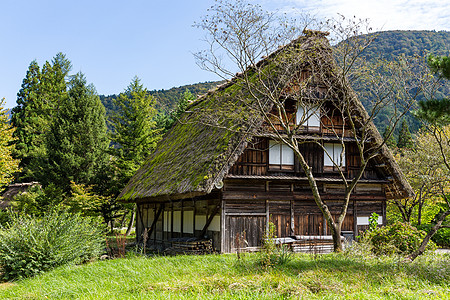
(390, 44)
(165, 99)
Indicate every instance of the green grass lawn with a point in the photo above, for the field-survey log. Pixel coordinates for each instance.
(333, 276)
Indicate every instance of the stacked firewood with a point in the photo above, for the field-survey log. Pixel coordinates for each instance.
(190, 247)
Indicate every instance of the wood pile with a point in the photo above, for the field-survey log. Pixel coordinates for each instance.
(190, 246)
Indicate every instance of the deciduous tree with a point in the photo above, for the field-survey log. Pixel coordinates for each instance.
(8, 165)
(240, 34)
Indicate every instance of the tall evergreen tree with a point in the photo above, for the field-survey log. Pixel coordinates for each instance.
(388, 136)
(8, 165)
(405, 140)
(26, 117)
(135, 133)
(165, 120)
(36, 103)
(53, 82)
(77, 141)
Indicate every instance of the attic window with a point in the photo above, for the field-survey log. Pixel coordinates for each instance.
(308, 116)
(281, 157)
(332, 155)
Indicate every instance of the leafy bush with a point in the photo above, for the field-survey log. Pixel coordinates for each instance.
(398, 238)
(31, 246)
(441, 237)
(37, 201)
(272, 254)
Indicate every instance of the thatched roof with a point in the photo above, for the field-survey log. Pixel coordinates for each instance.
(13, 190)
(197, 152)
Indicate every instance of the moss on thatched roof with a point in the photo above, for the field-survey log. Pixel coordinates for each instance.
(201, 147)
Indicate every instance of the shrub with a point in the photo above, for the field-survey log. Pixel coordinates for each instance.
(272, 254)
(398, 238)
(31, 246)
(441, 237)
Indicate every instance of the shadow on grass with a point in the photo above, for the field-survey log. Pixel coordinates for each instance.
(433, 269)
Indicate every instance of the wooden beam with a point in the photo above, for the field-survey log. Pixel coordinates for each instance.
(292, 219)
(355, 219)
(142, 222)
(182, 218)
(223, 240)
(208, 222)
(161, 208)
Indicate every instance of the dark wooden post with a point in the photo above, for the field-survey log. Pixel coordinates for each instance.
(182, 218)
(292, 218)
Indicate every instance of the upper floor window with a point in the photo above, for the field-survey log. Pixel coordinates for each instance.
(308, 116)
(332, 155)
(281, 157)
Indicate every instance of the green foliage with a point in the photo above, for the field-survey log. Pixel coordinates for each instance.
(440, 65)
(84, 201)
(8, 165)
(398, 238)
(390, 45)
(405, 140)
(441, 237)
(77, 141)
(436, 111)
(135, 133)
(166, 100)
(37, 101)
(272, 254)
(373, 221)
(388, 136)
(31, 246)
(166, 120)
(37, 200)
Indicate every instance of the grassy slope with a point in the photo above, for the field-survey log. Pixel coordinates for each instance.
(223, 277)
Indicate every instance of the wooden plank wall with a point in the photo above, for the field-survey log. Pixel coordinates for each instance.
(254, 161)
(291, 208)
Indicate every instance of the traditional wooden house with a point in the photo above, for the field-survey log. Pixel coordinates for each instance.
(215, 175)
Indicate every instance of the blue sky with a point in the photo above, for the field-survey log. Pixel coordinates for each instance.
(112, 41)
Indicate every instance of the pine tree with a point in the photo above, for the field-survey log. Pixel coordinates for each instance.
(436, 111)
(388, 136)
(165, 121)
(77, 141)
(26, 117)
(8, 165)
(135, 133)
(37, 101)
(405, 140)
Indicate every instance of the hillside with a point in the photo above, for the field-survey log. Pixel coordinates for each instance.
(166, 99)
(390, 44)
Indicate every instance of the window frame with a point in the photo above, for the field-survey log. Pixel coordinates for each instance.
(335, 160)
(278, 163)
(313, 120)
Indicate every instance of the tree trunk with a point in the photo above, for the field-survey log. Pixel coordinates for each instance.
(336, 233)
(440, 218)
(419, 214)
(130, 225)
